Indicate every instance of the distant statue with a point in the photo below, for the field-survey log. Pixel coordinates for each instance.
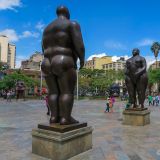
(136, 78)
(20, 90)
(62, 44)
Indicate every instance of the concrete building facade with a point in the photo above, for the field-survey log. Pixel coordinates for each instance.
(7, 51)
(33, 63)
(118, 65)
(155, 65)
(97, 63)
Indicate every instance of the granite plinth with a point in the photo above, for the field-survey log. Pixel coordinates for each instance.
(136, 109)
(61, 146)
(62, 128)
(136, 117)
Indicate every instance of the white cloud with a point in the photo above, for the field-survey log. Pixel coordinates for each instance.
(96, 55)
(145, 42)
(11, 34)
(27, 34)
(40, 26)
(9, 4)
(115, 58)
(115, 45)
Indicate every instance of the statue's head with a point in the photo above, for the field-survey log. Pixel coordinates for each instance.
(135, 52)
(63, 11)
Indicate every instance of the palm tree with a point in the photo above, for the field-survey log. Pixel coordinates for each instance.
(155, 49)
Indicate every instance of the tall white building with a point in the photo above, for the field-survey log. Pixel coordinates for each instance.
(7, 51)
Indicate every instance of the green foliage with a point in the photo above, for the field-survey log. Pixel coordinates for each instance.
(154, 76)
(98, 79)
(9, 81)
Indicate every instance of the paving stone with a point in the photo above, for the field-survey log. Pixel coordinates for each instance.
(111, 139)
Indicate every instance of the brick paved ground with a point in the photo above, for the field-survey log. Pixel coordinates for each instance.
(111, 139)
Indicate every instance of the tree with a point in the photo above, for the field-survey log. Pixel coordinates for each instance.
(97, 81)
(9, 81)
(155, 48)
(154, 77)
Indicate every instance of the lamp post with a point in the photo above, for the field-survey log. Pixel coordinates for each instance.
(41, 79)
(77, 83)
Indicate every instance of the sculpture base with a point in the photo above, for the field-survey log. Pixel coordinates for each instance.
(135, 117)
(61, 146)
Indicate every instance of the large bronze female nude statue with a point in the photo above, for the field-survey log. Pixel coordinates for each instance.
(62, 44)
(136, 78)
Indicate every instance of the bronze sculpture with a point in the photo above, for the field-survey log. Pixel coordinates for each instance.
(62, 44)
(136, 78)
(20, 90)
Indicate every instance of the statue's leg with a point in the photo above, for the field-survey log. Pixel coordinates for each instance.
(141, 89)
(53, 91)
(67, 84)
(131, 91)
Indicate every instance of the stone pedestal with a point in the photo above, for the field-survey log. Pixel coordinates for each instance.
(61, 142)
(136, 117)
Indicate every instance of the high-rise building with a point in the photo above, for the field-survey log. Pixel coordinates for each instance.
(7, 51)
(97, 62)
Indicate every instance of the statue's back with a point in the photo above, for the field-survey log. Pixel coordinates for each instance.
(57, 34)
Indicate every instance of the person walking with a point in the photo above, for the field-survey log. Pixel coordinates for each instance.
(9, 96)
(153, 100)
(150, 98)
(111, 104)
(113, 100)
(107, 105)
(157, 100)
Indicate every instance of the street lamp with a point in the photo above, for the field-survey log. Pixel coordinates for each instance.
(41, 78)
(77, 83)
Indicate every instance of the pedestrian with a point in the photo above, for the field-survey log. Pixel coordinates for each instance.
(153, 100)
(107, 105)
(128, 104)
(157, 100)
(150, 98)
(110, 104)
(47, 105)
(113, 100)
(9, 96)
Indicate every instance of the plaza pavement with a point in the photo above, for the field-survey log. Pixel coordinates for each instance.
(111, 139)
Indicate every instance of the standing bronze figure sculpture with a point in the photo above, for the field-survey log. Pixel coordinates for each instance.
(136, 78)
(20, 90)
(62, 44)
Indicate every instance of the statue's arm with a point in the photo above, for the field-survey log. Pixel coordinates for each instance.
(78, 42)
(143, 69)
(42, 47)
(126, 70)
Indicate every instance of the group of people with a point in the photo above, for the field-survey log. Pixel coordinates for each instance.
(154, 100)
(109, 104)
(8, 94)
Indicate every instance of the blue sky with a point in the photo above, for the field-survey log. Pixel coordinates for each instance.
(113, 27)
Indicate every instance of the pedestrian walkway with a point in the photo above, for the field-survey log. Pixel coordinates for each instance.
(111, 139)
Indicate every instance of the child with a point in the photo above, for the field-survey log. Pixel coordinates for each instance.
(107, 105)
(111, 104)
